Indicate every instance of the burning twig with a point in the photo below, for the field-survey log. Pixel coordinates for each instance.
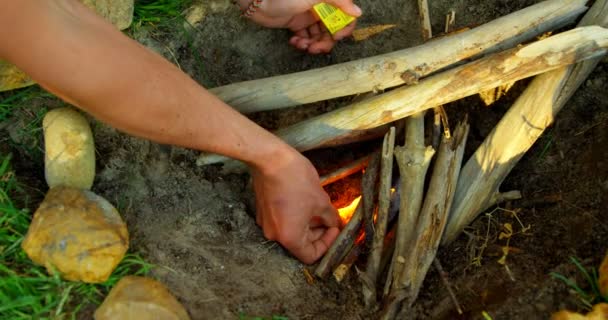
(413, 160)
(370, 277)
(517, 131)
(484, 74)
(351, 168)
(434, 214)
(346, 239)
(342, 245)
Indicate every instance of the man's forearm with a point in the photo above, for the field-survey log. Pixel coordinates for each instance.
(86, 61)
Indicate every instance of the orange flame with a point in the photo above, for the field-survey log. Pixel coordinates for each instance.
(347, 212)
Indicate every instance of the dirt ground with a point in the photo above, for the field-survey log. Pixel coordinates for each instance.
(197, 225)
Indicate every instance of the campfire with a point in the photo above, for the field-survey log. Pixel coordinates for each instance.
(415, 197)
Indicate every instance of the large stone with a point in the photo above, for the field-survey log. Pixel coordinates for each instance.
(78, 234)
(69, 149)
(599, 312)
(140, 298)
(12, 78)
(118, 12)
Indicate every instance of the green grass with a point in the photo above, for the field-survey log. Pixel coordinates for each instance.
(26, 290)
(589, 296)
(157, 11)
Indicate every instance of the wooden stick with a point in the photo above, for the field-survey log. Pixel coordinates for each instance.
(342, 245)
(368, 195)
(484, 74)
(342, 268)
(434, 214)
(346, 239)
(446, 283)
(527, 119)
(385, 71)
(427, 34)
(413, 160)
(425, 20)
(351, 168)
(370, 277)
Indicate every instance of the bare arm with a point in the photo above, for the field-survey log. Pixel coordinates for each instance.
(80, 57)
(83, 59)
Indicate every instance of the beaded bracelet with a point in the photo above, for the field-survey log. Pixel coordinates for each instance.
(252, 8)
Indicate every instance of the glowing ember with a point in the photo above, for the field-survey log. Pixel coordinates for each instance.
(347, 212)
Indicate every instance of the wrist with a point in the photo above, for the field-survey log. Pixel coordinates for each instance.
(276, 156)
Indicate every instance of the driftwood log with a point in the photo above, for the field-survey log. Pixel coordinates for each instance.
(492, 71)
(521, 126)
(385, 71)
(413, 160)
(433, 216)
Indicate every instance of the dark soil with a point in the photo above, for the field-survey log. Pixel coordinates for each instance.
(197, 225)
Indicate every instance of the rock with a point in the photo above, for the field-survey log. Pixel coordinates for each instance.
(603, 279)
(118, 12)
(599, 312)
(12, 78)
(140, 298)
(77, 233)
(69, 150)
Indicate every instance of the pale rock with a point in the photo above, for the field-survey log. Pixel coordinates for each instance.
(140, 298)
(599, 312)
(118, 12)
(78, 234)
(69, 149)
(12, 78)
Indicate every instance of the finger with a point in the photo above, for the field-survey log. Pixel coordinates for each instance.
(314, 250)
(347, 6)
(323, 45)
(328, 218)
(301, 22)
(294, 40)
(346, 32)
(304, 43)
(314, 30)
(316, 233)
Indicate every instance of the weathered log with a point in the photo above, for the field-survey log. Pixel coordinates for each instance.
(413, 160)
(521, 126)
(347, 237)
(385, 71)
(434, 214)
(490, 72)
(370, 277)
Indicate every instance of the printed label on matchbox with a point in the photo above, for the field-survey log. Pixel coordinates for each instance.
(333, 18)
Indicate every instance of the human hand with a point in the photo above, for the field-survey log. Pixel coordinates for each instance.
(309, 33)
(293, 209)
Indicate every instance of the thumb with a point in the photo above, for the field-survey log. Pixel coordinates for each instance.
(345, 5)
(327, 218)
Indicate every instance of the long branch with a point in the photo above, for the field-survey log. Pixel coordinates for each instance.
(385, 71)
(484, 74)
